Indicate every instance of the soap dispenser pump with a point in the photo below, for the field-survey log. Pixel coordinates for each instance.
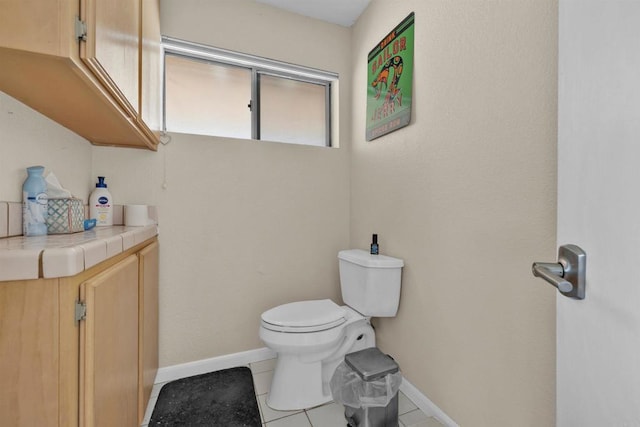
(374, 245)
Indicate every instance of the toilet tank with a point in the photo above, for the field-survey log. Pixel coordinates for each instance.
(370, 283)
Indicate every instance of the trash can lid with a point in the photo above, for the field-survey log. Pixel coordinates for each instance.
(371, 363)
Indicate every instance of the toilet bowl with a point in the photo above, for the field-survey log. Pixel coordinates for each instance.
(312, 337)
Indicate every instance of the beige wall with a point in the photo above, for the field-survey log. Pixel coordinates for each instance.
(27, 138)
(466, 196)
(245, 225)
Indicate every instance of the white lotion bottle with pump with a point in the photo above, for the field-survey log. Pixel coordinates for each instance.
(101, 204)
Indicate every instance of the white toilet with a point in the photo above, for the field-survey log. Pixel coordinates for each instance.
(312, 337)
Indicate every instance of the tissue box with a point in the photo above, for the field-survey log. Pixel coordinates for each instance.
(65, 216)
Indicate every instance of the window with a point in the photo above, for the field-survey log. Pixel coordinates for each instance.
(199, 92)
(210, 91)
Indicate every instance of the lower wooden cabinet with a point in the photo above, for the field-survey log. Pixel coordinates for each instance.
(109, 347)
(29, 353)
(98, 371)
(149, 259)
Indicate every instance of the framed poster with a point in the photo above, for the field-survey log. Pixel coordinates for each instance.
(390, 81)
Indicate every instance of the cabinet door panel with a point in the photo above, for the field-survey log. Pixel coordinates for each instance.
(149, 263)
(151, 66)
(109, 347)
(29, 353)
(111, 50)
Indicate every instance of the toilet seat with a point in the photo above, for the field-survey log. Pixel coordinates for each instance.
(304, 316)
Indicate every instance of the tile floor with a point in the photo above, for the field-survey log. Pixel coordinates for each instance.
(328, 415)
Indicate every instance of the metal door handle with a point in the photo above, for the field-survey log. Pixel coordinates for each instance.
(568, 274)
(553, 273)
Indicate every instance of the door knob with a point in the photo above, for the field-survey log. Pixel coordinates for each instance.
(568, 274)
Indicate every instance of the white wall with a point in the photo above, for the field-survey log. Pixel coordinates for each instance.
(27, 138)
(466, 196)
(599, 210)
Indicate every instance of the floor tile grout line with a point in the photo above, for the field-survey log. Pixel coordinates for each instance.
(308, 418)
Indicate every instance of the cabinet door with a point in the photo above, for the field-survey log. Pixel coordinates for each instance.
(151, 66)
(29, 353)
(148, 318)
(109, 347)
(111, 50)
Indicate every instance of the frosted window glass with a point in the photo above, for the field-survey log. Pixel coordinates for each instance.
(292, 111)
(207, 99)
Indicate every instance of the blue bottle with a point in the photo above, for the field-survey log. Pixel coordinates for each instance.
(34, 203)
(375, 249)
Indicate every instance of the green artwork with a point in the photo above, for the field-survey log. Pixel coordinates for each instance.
(390, 81)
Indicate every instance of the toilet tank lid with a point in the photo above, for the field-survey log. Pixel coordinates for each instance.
(365, 259)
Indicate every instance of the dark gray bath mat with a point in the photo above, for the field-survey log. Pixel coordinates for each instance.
(223, 398)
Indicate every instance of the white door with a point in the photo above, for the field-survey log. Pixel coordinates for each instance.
(598, 338)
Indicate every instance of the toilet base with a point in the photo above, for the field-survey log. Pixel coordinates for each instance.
(301, 382)
(296, 385)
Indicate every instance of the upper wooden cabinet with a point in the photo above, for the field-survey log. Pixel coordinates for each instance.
(151, 66)
(92, 66)
(111, 47)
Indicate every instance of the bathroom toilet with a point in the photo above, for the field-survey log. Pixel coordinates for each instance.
(312, 337)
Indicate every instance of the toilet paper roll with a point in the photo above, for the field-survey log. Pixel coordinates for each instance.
(136, 215)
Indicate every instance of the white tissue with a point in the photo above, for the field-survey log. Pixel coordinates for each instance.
(54, 188)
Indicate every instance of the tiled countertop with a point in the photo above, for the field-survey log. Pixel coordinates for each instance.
(65, 255)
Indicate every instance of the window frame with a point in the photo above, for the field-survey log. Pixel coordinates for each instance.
(257, 66)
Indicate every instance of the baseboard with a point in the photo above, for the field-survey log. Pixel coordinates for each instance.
(198, 367)
(424, 404)
(175, 372)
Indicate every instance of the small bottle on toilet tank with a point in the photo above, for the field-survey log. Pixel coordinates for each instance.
(374, 245)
